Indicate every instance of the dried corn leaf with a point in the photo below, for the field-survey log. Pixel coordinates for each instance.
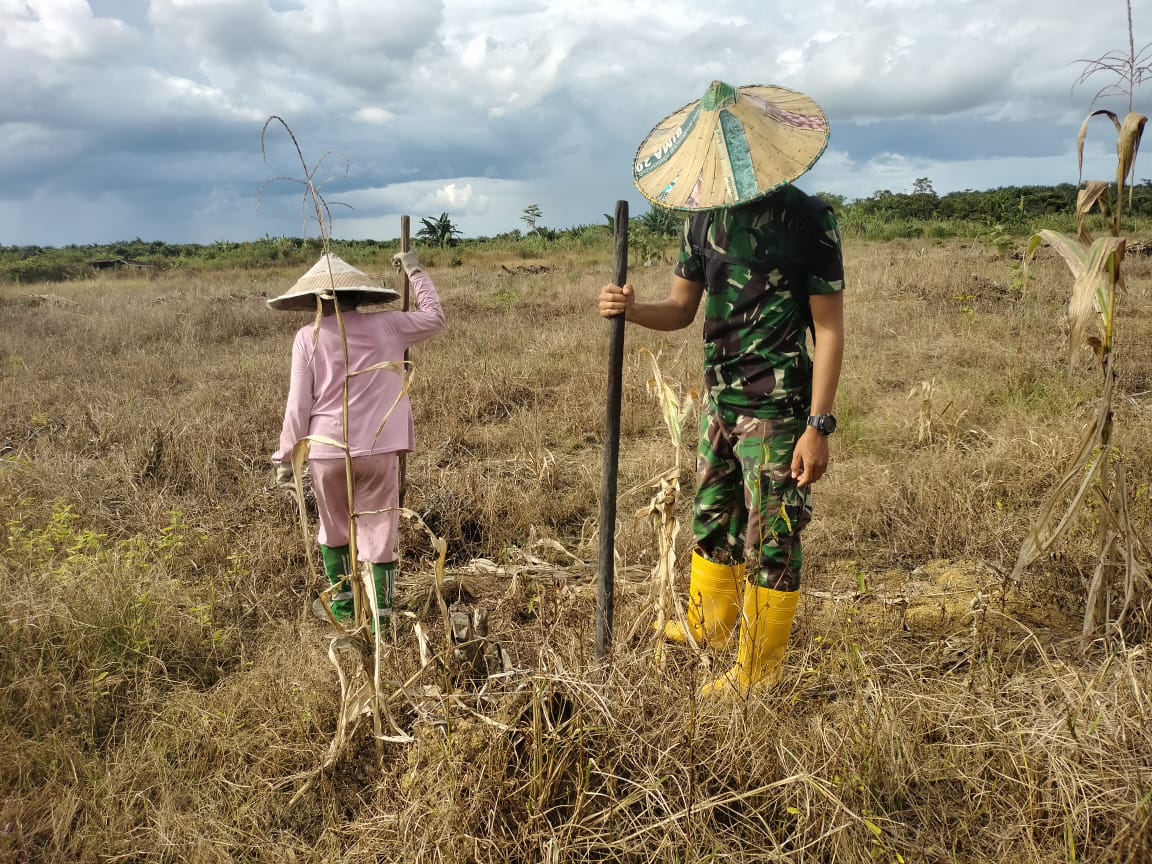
(661, 509)
(1127, 146)
(1084, 132)
(403, 367)
(1098, 285)
(441, 548)
(299, 456)
(1095, 591)
(422, 641)
(673, 409)
(1115, 512)
(1092, 289)
(1093, 193)
(1090, 456)
(556, 546)
(1051, 524)
(1071, 249)
(397, 366)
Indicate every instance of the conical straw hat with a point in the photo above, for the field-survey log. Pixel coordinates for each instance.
(734, 145)
(330, 272)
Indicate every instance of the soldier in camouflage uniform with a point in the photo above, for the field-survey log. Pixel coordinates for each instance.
(767, 270)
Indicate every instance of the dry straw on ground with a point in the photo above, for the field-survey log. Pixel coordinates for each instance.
(160, 689)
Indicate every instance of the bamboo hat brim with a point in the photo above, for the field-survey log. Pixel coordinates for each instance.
(328, 274)
(732, 146)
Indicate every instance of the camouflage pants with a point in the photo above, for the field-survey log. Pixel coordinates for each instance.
(747, 505)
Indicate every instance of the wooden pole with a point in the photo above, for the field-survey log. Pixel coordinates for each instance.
(405, 245)
(605, 577)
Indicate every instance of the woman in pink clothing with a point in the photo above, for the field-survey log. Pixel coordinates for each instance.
(379, 424)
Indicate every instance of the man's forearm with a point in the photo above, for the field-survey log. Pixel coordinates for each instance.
(828, 354)
(827, 359)
(661, 315)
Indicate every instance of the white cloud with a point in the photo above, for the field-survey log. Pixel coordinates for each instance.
(455, 196)
(374, 115)
(358, 45)
(61, 31)
(186, 97)
(477, 205)
(475, 52)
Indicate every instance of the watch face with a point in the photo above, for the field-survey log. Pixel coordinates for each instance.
(825, 423)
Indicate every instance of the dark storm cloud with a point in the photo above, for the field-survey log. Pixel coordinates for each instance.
(950, 138)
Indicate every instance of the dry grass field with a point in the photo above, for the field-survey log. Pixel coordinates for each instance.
(164, 691)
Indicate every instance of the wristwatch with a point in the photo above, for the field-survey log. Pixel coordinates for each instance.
(823, 423)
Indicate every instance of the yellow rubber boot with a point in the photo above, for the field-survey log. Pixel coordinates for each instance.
(764, 630)
(713, 604)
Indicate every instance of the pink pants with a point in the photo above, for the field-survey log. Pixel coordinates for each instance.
(377, 481)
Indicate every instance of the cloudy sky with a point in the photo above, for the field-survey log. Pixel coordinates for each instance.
(143, 118)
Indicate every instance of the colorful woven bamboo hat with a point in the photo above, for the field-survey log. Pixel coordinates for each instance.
(734, 145)
(331, 272)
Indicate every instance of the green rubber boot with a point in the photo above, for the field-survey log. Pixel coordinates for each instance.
(384, 578)
(337, 567)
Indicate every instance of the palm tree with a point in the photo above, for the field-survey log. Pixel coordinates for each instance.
(439, 232)
(532, 215)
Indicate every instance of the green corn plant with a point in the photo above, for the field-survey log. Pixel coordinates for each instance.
(1120, 587)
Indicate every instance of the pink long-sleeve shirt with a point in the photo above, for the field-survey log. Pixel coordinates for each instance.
(316, 390)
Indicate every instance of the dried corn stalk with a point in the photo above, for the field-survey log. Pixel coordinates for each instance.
(1096, 471)
(661, 509)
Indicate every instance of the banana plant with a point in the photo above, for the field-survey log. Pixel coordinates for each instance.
(439, 231)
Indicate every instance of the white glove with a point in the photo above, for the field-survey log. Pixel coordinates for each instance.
(408, 261)
(285, 479)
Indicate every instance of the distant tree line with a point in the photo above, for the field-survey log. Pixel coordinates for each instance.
(58, 264)
(1005, 211)
(1007, 205)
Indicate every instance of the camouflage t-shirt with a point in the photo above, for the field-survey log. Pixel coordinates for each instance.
(758, 264)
